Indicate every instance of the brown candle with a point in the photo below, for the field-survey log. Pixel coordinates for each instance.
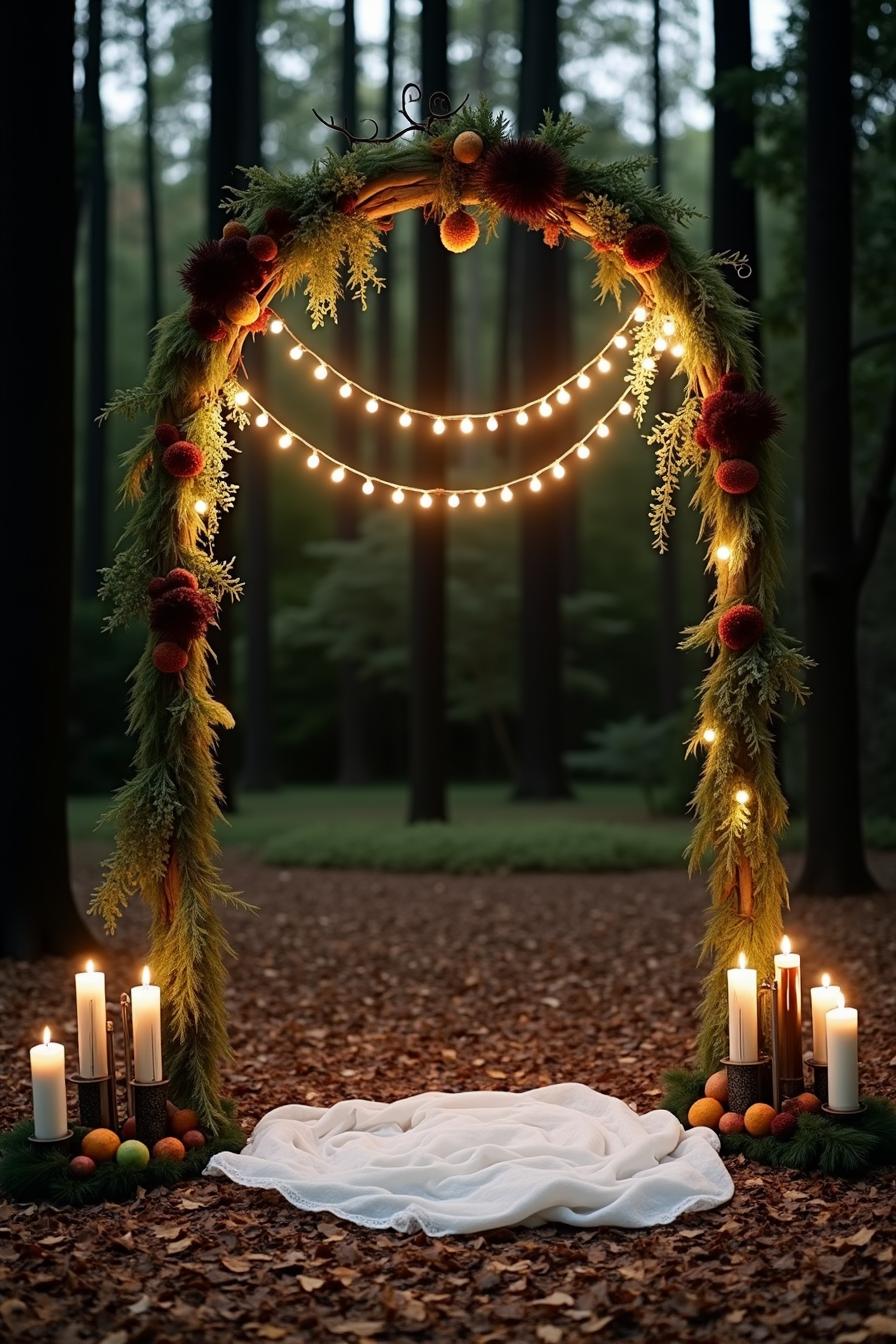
(789, 1013)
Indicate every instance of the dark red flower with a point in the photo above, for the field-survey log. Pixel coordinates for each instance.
(732, 381)
(169, 657)
(736, 422)
(181, 614)
(645, 247)
(234, 228)
(262, 247)
(206, 324)
(211, 273)
(183, 459)
(277, 222)
(166, 434)
(181, 578)
(700, 436)
(740, 627)
(261, 322)
(737, 476)
(156, 587)
(524, 178)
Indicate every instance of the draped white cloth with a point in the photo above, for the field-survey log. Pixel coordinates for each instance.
(454, 1163)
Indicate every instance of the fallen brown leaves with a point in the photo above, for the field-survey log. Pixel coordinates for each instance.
(382, 985)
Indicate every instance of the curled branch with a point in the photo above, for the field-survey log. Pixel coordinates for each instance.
(438, 109)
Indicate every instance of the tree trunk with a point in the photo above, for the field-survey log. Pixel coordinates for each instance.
(734, 215)
(541, 772)
(93, 506)
(153, 246)
(835, 855)
(433, 343)
(385, 427)
(40, 918)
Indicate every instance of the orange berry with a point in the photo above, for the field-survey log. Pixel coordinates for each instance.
(758, 1119)
(707, 1111)
(467, 146)
(458, 231)
(172, 1150)
(100, 1144)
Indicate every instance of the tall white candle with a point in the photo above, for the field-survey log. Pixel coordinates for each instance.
(90, 994)
(48, 1088)
(843, 1057)
(146, 1024)
(743, 1017)
(824, 997)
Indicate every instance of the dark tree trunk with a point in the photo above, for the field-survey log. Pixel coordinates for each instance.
(93, 505)
(734, 216)
(383, 363)
(835, 854)
(39, 917)
(668, 623)
(427, 606)
(150, 186)
(541, 772)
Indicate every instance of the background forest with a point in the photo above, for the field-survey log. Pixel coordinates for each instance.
(321, 657)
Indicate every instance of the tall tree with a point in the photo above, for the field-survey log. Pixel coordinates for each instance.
(433, 341)
(96, 197)
(41, 918)
(835, 855)
(384, 336)
(150, 183)
(734, 213)
(543, 310)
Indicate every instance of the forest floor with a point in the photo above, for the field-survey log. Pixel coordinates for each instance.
(382, 985)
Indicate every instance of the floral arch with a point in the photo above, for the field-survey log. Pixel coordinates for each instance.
(464, 170)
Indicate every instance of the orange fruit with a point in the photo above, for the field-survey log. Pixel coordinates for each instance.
(183, 1121)
(809, 1102)
(707, 1111)
(717, 1087)
(758, 1119)
(100, 1144)
(467, 146)
(172, 1150)
(731, 1123)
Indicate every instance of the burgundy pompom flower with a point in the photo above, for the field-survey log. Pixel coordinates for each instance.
(156, 587)
(741, 626)
(183, 459)
(736, 422)
(645, 247)
(732, 381)
(700, 436)
(234, 228)
(181, 578)
(166, 434)
(262, 247)
(209, 274)
(169, 657)
(277, 222)
(206, 324)
(181, 614)
(524, 178)
(737, 476)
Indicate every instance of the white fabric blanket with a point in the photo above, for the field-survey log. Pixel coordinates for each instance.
(453, 1163)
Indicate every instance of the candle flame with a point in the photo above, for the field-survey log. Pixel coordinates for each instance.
(841, 1000)
(825, 980)
(46, 1035)
(742, 961)
(146, 975)
(89, 967)
(785, 945)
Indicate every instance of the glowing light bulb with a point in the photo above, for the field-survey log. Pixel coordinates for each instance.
(648, 362)
(262, 420)
(371, 405)
(320, 372)
(276, 326)
(742, 797)
(506, 495)
(284, 441)
(296, 352)
(660, 344)
(312, 461)
(426, 501)
(337, 475)
(534, 484)
(668, 327)
(479, 500)
(677, 350)
(563, 397)
(345, 390)
(491, 424)
(583, 382)
(545, 409)
(620, 341)
(583, 451)
(367, 488)
(558, 471)
(522, 418)
(398, 496)
(602, 431)
(624, 408)
(709, 736)
(453, 501)
(723, 553)
(241, 398)
(466, 425)
(201, 506)
(640, 313)
(604, 365)
(438, 426)
(405, 419)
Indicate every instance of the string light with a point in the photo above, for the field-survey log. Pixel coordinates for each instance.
(620, 341)
(345, 390)
(723, 553)
(640, 313)
(296, 352)
(648, 362)
(661, 344)
(201, 506)
(709, 736)
(545, 409)
(284, 441)
(624, 408)
(558, 471)
(320, 372)
(742, 797)
(262, 421)
(668, 327)
(583, 451)
(398, 496)
(368, 487)
(506, 494)
(453, 501)
(563, 397)
(438, 426)
(534, 484)
(604, 365)
(522, 418)
(337, 475)
(405, 420)
(603, 431)
(583, 382)
(677, 350)
(466, 425)
(491, 424)
(426, 501)
(312, 461)
(241, 398)
(371, 405)
(479, 500)
(276, 326)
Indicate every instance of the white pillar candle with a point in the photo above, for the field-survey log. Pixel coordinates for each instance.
(48, 1088)
(843, 1057)
(90, 994)
(824, 997)
(146, 1024)
(743, 1016)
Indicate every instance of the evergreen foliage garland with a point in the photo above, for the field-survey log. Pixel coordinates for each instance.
(328, 225)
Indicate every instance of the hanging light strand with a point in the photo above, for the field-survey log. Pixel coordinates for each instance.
(560, 393)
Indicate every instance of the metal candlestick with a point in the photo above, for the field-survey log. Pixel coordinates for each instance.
(768, 987)
(819, 1080)
(747, 1082)
(97, 1102)
(150, 1111)
(60, 1145)
(128, 1050)
(844, 1116)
